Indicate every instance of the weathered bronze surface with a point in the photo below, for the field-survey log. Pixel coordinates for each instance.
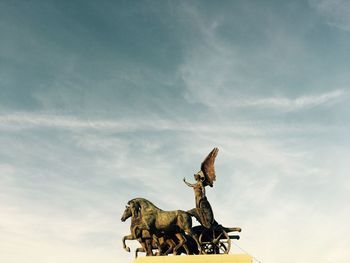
(170, 232)
(206, 176)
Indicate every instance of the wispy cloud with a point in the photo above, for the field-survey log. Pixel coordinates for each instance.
(27, 121)
(287, 104)
(335, 12)
(85, 196)
(80, 138)
(217, 75)
(52, 235)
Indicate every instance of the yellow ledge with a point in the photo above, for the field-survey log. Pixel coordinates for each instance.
(237, 258)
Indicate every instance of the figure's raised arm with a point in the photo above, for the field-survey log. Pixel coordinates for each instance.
(190, 185)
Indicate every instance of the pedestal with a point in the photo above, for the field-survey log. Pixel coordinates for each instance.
(238, 258)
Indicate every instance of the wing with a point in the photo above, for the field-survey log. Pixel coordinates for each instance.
(207, 167)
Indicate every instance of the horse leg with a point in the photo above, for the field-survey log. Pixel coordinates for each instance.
(195, 238)
(182, 241)
(129, 237)
(186, 249)
(155, 241)
(184, 245)
(186, 221)
(148, 245)
(139, 249)
(143, 247)
(145, 241)
(171, 245)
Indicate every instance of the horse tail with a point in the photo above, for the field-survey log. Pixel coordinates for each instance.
(192, 212)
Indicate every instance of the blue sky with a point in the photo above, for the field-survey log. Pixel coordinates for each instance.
(104, 101)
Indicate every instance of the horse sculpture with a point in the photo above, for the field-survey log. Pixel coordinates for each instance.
(172, 231)
(143, 237)
(146, 217)
(147, 241)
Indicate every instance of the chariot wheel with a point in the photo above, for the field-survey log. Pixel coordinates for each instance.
(215, 241)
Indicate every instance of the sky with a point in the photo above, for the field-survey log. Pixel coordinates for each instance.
(105, 101)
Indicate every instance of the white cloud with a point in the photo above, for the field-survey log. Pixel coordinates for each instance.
(335, 12)
(217, 75)
(26, 121)
(286, 104)
(252, 173)
(54, 237)
(65, 179)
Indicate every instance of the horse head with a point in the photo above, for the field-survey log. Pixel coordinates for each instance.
(135, 208)
(127, 213)
(132, 209)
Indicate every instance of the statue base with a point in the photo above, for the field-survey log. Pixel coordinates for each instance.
(237, 258)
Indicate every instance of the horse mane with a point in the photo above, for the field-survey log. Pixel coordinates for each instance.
(142, 201)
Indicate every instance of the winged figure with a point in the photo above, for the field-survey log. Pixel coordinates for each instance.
(208, 169)
(206, 176)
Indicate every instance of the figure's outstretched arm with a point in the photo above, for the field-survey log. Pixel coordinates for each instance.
(190, 185)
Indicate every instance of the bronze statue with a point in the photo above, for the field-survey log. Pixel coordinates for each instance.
(206, 176)
(164, 232)
(156, 221)
(136, 232)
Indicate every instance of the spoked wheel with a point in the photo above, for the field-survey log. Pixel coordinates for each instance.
(215, 242)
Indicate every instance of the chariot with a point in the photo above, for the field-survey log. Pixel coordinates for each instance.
(170, 232)
(215, 240)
